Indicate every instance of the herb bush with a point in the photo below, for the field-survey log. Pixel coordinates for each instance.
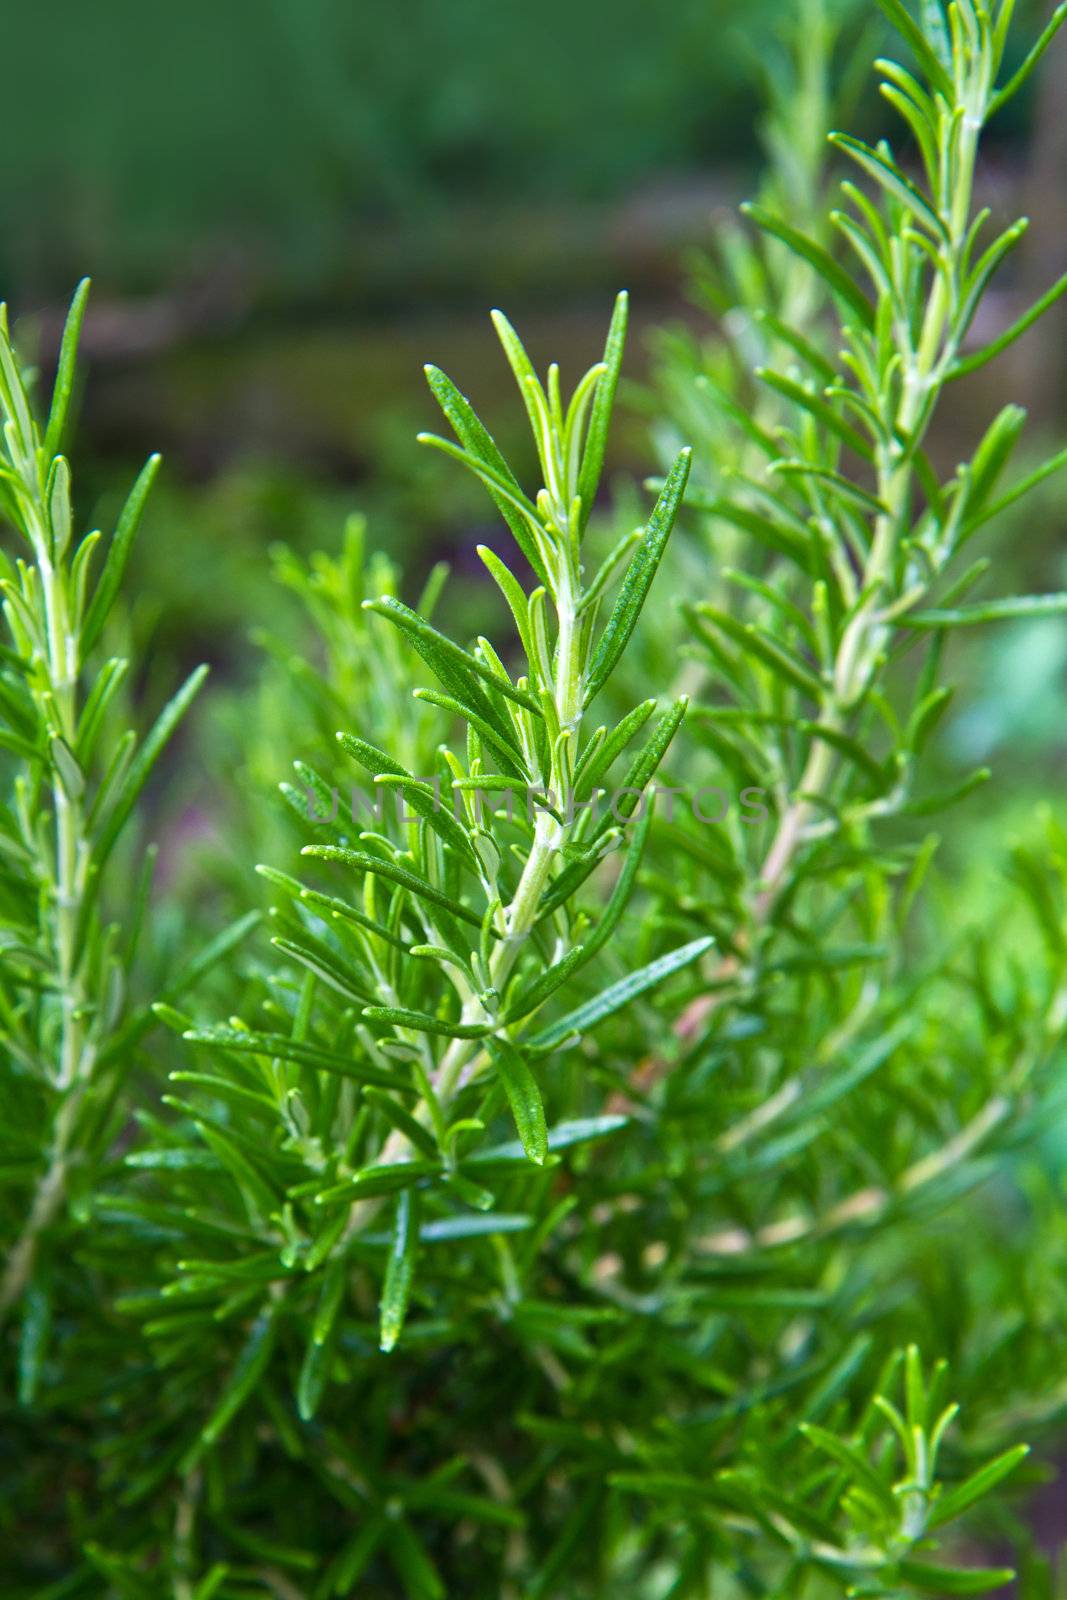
(557, 1203)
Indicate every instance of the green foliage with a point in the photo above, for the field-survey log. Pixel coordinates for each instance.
(544, 1210)
(74, 906)
(300, 118)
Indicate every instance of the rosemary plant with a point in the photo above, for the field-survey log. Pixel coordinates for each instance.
(71, 1015)
(763, 298)
(468, 923)
(851, 560)
(563, 1206)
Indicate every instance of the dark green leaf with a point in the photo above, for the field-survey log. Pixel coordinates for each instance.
(65, 370)
(835, 277)
(1015, 83)
(457, 669)
(362, 862)
(246, 1374)
(422, 1022)
(971, 363)
(524, 1098)
(480, 445)
(902, 21)
(117, 555)
(140, 767)
(536, 993)
(1032, 605)
(603, 402)
(960, 1499)
(954, 1580)
(278, 1046)
(400, 1270)
(620, 994)
(638, 578)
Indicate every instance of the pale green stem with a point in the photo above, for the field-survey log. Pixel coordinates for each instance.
(863, 637)
(70, 843)
(74, 1062)
(464, 1057)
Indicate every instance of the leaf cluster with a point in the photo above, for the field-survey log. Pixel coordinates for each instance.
(559, 1202)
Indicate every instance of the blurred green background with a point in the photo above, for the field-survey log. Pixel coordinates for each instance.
(287, 207)
(302, 134)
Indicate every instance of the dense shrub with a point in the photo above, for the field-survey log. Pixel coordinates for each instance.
(556, 1202)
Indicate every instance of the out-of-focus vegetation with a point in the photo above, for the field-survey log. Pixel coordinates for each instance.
(158, 133)
(289, 139)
